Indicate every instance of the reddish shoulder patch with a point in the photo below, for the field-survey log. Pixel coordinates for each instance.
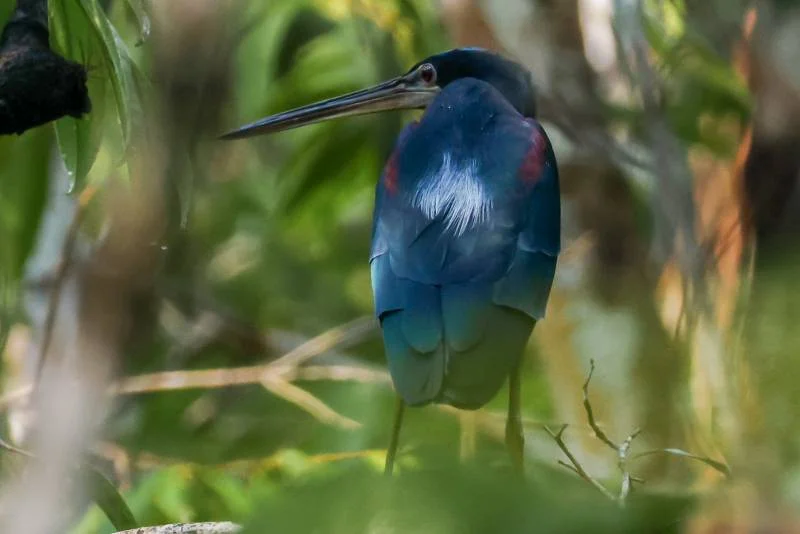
(390, 174)
(390, 171)
(532, 165)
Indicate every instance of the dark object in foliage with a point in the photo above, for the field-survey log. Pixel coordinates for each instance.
(306, 26)
(36, 85)
(466, 228)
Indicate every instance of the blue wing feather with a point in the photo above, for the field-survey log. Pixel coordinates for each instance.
(457, 306)
(417, 376)
(473, 376)
(526, 286)
(465, 311)
(542, 232)
(422, 317)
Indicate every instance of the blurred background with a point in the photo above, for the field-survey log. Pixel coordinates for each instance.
(224, 287)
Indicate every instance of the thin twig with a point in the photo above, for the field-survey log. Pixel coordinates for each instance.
(16, 450)
(339, 373)
(67, 251)
(285, 366)
(715, 464)
(622, 450)
(234, 376)
(587, 405)
(625, 448)
(308, 402)
(622, 463)
(187, 528)
(335, 337)
(222, 378)
(276, 376)
(568, 466)
(558, 437)
(149, 461)
(242, 376)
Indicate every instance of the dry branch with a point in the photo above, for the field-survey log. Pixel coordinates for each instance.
(186, 528)
(587, 405)
(276, 376)
(307, 402)
(286, 366)
(622, 451)
(574, 464)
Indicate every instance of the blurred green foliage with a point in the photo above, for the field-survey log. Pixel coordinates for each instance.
(700, 85)
(282, 243)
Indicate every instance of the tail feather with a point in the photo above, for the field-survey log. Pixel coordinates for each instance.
(465, 310)
(458, 349)
(475, 375)
(422, 317)
(417, 376)
(458, 343)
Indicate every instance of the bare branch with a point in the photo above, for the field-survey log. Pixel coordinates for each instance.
(253, 374)
(340, 373)
(626, 445)
(622, 463)
(16, 450)
(308, 402)
(587, 405)
(147, 461)
(276, 376)
(717, 465)
(186, 528)
(568, 466)
(622, 450)
(335, 337)
(558, 437)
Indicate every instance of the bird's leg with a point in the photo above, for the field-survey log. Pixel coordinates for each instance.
(515, 442)
(469, 434)
(391, 452)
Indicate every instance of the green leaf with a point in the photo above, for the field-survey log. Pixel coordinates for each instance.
(24, 163)
(82, 32)
(231, 491)
(122, 68)
(324, 161)
(110, 501)
(73, 38)
(306, 25)
(138, 8)
(172, 498)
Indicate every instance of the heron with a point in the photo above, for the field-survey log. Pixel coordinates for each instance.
(466, 229)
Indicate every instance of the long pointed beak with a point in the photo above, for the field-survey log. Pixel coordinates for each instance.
(397, 93)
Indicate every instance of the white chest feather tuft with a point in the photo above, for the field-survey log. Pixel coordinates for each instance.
(456, 193)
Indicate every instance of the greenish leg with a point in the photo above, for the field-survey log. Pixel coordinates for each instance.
(391, 452)
(515, 442)
(469, 434)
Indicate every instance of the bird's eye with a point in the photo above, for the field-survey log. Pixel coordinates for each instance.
(427, 73)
